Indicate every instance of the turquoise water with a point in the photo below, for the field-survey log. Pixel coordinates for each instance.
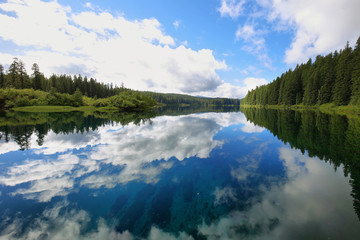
(195, 176)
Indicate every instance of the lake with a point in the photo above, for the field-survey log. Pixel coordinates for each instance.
(180, 174)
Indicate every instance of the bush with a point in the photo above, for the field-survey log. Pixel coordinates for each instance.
(10, 104)
(22, 101)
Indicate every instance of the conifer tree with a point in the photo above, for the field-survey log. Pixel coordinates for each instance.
(326, 88)
(342, 89)
(13, 75)
(355, 76)
(2, 77)
(37, 77)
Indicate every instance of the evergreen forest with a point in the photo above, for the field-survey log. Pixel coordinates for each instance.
(334, 78)
(19, 89)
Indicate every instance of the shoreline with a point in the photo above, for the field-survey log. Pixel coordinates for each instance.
(349, 110)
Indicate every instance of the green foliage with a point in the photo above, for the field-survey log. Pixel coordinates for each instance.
(132, 101)
(127, 100)
(334, 78)
(78, 98)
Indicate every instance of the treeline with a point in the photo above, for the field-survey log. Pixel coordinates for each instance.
(181, 99)
(334, 78)
(332, 138)
(18, 89)
(17, 77)
(36, 89)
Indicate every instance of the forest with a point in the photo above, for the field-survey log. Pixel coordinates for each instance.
(334, 78)
(18, 89)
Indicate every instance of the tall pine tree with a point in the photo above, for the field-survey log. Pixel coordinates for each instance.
(355, 76)
(342, 89)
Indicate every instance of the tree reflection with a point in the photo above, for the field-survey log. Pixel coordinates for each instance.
(21, 126)
(332, 138)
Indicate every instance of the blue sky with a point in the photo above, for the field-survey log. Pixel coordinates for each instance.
(218, 48)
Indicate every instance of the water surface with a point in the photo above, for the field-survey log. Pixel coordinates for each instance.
(261, 174)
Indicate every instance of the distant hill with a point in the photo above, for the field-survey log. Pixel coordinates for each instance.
(182, 99)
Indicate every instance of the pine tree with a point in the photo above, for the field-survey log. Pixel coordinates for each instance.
(23, 76)
(13, 74)
(326, 89)
(37, 77)
(342, 91)
(2, 77)
(355, 76)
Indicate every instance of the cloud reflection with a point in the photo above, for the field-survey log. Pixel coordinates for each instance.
(308, 200)
(309, 205)
(63, 222)
(65, 160)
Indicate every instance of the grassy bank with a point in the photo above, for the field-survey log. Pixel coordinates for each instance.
(329, 108)
(38, 109)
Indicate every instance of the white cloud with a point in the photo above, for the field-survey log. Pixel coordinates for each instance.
(225, 90)
(246, 32)
(254, 43)
(89, 5)
(176, 24)
(231, 8)
(320, 26)
(107, 47)
(249, 84)
(229, 90)
(185, 43)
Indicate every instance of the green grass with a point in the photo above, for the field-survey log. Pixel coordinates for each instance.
(44, 109)
(348, 110)
(38, 109)
(329, 108)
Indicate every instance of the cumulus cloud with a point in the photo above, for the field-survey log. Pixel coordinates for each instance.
(254, 42)
(231, 8)
(108, 47)
(240, 91)
(251, 83)
(320, 26)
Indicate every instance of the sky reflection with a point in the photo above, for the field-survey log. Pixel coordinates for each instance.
(210, 175)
